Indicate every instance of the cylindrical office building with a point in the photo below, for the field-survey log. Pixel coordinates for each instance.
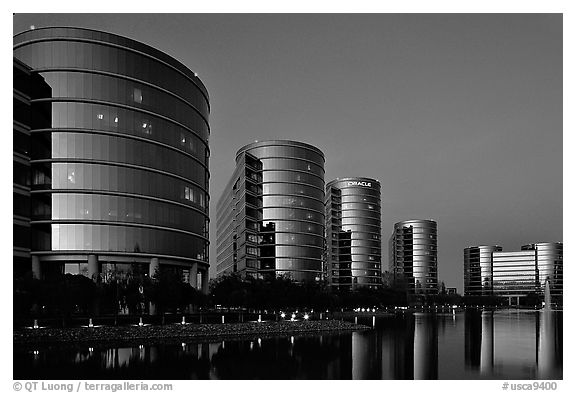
(550, 266)
(292, 227)
(354, 249)
(478, 270)
(415, 256)
(120, 178)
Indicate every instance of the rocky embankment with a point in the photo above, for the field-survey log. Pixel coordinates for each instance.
(175, 332)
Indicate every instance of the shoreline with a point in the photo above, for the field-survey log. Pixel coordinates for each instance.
(175, 333)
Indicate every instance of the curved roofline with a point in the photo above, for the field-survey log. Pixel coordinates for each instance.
(416, 220)
(279, 142)
(153, 51)
(339, 179)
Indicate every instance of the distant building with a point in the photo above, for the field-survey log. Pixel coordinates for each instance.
(478, 270)
(513, 273)
(549, 258)
(414, 256)
(270, 218)
(354, 250)
(451, 291)
(489, 271)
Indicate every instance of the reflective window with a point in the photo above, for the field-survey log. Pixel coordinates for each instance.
(124, 121)
(78, 237)
(81, 176)
(124, 150)
(125, 209)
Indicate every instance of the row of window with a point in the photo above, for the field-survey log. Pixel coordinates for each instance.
(355, 265)
(92, 56)
(290, 251)
(288, 152)
(81, 176)
(121, 209)
(292, 226)
(292, 164)
(129, 122)
(292, 189)
(272, 213)
(356, 273)
(356, 257)
(361, 221)
(286, 238)
(291, 176)
(121, 91)
(292, 201)
(291, 264)
(113, 238)
(359, 191)
(122, 150)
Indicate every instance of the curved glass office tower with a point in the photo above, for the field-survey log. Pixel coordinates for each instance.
(120, 178)
(478, 270)
(549, 259)
(414, 253)
(353, 226)
(271, 215)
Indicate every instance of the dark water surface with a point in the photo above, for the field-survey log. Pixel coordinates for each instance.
(510, 344)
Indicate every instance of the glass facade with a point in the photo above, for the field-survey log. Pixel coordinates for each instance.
(478, 270)
(353, 249)
(490, 271)
(28, 86)
(415, 256)
(121, 168)
(514, 273)
(549, 259)
(270, 219)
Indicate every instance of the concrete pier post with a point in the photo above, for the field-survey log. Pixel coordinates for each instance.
(205, 281)
(194, 276)
(93, 269)
(36, 268)
(154, 265)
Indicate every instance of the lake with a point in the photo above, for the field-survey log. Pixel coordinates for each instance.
(471, 344)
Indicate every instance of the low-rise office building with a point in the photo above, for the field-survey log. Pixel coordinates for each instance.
(489, 271)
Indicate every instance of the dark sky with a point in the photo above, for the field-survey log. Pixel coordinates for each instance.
(459, 116)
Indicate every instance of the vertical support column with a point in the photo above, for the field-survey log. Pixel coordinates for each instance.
(93, 270)
(36, 268)
(194, 276)
(154, 265)
(205, 281)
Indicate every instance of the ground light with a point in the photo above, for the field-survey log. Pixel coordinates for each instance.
(293, 317)
(283, 315)
(306, 316)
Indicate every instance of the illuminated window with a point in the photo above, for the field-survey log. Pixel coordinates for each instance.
(146, 127)
(137, 96)
(100, 116)
(72, 177)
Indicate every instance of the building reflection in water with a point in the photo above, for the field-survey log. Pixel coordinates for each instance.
(497, 345)
(425, 346)
(487, 343)
(549, 345)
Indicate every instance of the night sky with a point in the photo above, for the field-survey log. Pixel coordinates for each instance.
(458, 115)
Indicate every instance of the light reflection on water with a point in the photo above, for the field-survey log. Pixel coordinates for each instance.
(471, 345)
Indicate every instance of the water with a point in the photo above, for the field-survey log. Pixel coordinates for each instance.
(472, 345)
